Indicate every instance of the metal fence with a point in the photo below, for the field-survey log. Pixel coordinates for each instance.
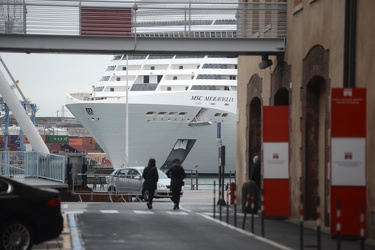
(114, 187)
(193, 18)
(22, 164)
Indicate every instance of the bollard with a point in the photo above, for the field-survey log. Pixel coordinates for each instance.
(214, 199)
(235, 211)
(262, 211)
(246, 206)
(301, 221)
(220, 201)
(318, 223)
(338, 225)
(227, 206)
(252, 213)
(362, 231)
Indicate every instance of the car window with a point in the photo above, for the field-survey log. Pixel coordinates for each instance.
(133, 172)
(162, 175)
(122, 172)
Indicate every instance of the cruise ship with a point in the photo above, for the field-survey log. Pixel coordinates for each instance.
(165, 106)
(178, 107)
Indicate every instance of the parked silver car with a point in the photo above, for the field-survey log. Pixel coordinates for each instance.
(130, 180)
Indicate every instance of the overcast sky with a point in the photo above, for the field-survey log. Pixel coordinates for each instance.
(45, 79)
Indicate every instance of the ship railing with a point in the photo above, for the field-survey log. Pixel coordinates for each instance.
(145, 18)
(26, 164)
(94, 187)
(194, 177)
(82, 96)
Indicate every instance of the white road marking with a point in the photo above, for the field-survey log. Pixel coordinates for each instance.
(270, 242)
(109, 211)
(74, 212)
(143, 212)
(176, 213)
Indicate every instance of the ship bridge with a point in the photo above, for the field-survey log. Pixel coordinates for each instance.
(228, 27)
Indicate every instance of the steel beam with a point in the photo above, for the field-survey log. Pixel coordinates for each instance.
(139, 45)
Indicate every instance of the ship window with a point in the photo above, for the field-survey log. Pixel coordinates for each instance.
(160, 56)
(117, 57)
(159, 78)
(112, 89)
(152, 67)
(217, 114)
(124, 68)
(146, 79)
(224, 115)
(144, 87)
(175, 78)
(105, 78)
(226, 88)
(162, 113)
(150, 113)
(182, 113)
(232, 77)
(172, 113)
(186, 88)
(111, 68)
(180, 67)
(169, 88)
(118, 78)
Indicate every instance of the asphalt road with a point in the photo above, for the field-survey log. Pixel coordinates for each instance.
(133, 226)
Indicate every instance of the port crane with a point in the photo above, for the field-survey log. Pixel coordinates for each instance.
(20, 110)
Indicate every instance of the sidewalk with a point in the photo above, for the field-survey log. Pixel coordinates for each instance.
(286, 232)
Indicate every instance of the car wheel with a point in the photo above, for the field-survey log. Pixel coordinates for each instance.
(15, 235)
(145, 195)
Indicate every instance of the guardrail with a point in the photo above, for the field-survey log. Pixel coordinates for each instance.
(21, 164)
(115, 188)
(220, 19)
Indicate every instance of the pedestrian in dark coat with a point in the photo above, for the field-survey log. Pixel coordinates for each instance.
(255, 171)
(177, 174)
(255, 176)
(151, 178)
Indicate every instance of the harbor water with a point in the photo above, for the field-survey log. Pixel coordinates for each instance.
(205, 183)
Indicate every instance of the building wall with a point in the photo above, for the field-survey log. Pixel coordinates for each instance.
(314, 53)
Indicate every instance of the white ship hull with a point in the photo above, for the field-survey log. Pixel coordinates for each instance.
(157, 121)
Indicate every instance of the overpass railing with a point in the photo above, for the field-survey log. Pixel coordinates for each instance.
(173, 18)
(23, 164)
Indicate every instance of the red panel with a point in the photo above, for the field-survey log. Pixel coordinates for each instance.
(106, 21)
(348, 112)
(276, 197)
(276, 124)
(351, 199)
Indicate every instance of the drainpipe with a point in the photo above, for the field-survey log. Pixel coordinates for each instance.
(346, 44)
(353, 36)
(350, 43)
